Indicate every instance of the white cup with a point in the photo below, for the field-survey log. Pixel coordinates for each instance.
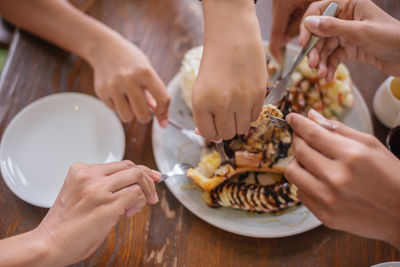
(386, 104)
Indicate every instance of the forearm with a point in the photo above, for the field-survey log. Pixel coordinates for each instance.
(232, 19)
(60, 23)
(26, 249)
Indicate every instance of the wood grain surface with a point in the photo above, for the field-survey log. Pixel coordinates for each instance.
(167, 234)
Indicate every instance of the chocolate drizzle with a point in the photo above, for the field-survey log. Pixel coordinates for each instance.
(255, 197)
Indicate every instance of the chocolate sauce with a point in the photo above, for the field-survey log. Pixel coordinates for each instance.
(393, 141)
(283, 149)
(243, 176)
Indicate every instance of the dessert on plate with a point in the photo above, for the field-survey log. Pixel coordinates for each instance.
(253, 177)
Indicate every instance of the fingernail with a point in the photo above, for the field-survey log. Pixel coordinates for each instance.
(312, 22)
(218, 141)
(320, 72)
(164, 123)
(153, 199)
(196, 131)
(321, 120)
(289, 118)
(132, 212)
(156, 173)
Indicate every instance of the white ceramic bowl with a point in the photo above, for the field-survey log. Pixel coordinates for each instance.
(50, 134)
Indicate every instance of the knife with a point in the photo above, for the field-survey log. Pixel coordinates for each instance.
(279, 91)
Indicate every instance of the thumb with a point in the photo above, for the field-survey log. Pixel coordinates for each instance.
(332, 27)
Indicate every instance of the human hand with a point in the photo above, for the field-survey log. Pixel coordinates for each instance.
(230, 88)
(127, 83)
(361, 32)
(91, 202)
(348, 179)
(287, 15)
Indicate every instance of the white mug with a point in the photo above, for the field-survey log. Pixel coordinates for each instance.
(387, 104)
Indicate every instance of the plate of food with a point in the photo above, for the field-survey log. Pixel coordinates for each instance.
(249, 195)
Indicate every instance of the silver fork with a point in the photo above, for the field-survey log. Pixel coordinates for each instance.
(195, 138)
(282, 123)
(278, 122)
(178, 170)
(199, 140)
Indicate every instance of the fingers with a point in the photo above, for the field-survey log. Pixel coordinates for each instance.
(123, 108)
(159, 92)
(138, 103)
(314, 56)
(305, 181)
(316, 8)
(279, 25)
(311, 160)
(132, 176)
(205, 124)
(330, 44)
(132, 199)
(153, 174)
(243, 120)
(333, 27)
(113, 167)
(109, 103)
(316, 136)
(336, 57)
(315, 206)
(226, 125)
(340, 128)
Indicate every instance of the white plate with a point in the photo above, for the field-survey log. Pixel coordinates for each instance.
(50, 134)
(171, 147)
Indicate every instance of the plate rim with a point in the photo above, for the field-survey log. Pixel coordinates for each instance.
(33, 105)
(161, 165)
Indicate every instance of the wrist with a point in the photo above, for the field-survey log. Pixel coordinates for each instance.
(230, 20)
(46, 251)
(101, 45)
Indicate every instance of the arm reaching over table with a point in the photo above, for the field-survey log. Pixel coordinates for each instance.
(287, 16)
(348, 179)
(230, 88)
(124, 77)
(361, 32)
(89, 205)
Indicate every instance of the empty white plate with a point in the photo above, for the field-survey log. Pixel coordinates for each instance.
(50, 134)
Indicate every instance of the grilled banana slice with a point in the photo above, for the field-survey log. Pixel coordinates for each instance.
(253, 197)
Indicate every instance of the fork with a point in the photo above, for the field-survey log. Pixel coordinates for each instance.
(282, 123)
(200, 141)
(195, 138)
(178, 170)
(278, 122)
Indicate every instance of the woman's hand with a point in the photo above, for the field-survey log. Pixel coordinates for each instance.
(348, 179)
(230, 88)
(91, 202)
(124, 78)
(127, 83)
(287, 15)
(361, 32)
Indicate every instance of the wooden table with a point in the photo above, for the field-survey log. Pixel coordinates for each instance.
(167, 234)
